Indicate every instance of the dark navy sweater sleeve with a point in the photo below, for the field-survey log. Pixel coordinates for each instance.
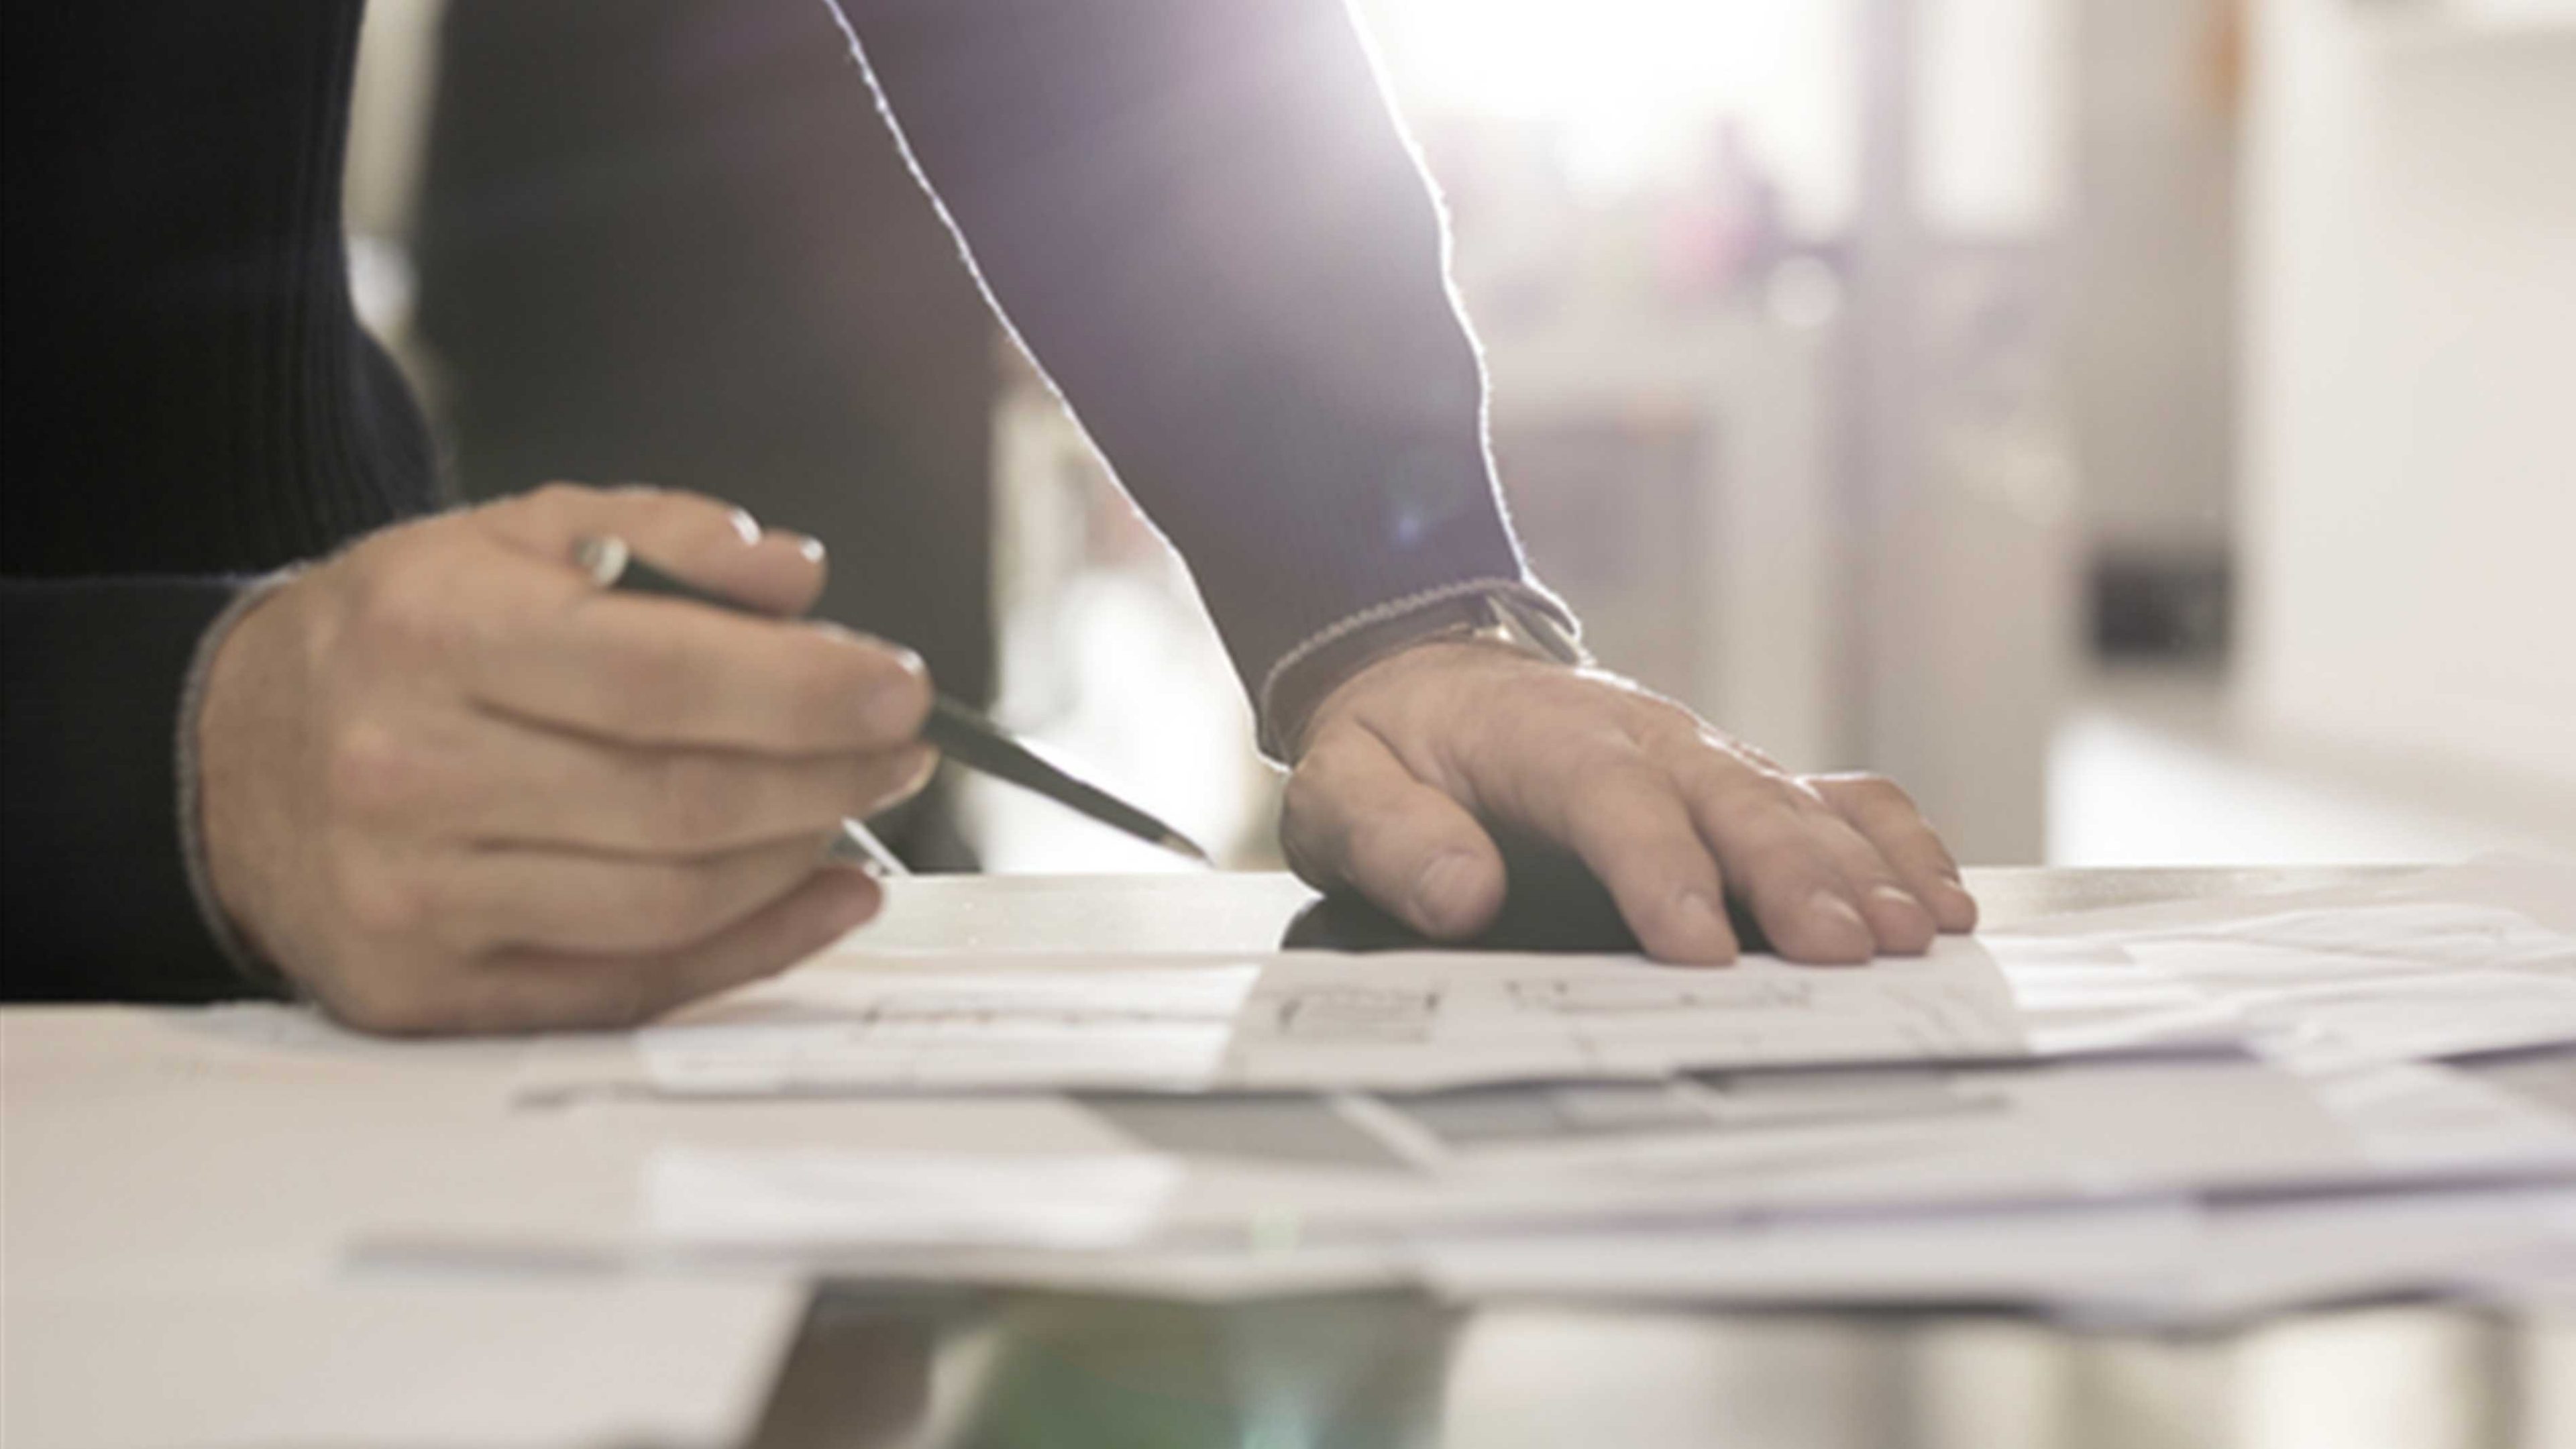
(190, 402)
(1206, 226)
(98, 899)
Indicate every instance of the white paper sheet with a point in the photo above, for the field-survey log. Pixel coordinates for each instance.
(842, 1199)
(2052, 1255)
(2257, 1257)
(2332, 987)
(2061, 1132)
(1082, 1024)
(1320, 1021)
(2162, 1260)
(1436, 1019)
(2428, 1117)
(1577, 1156)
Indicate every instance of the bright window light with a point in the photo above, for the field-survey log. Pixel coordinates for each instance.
(1630, 86)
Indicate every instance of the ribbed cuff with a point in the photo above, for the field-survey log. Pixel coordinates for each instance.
(192, 832)
(1306, 674)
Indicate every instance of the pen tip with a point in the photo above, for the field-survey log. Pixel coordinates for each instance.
(1179, 844)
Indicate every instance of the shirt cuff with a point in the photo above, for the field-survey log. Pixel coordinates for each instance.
(192, 834)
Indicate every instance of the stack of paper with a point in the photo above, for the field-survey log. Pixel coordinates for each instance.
(2198, 1110)
(1318, 1021)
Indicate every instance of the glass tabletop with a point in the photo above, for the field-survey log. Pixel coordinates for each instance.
(886, 1364)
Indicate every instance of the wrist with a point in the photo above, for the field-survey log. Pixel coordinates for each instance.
(1497, 614)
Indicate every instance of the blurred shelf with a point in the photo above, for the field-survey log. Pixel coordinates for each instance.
(2432, 24)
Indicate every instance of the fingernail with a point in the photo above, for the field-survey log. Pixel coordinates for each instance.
(811, 547)
(1957, 902)
(745, 525)
(1445, 891)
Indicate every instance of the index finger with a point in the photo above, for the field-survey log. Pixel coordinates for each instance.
(1593, 790)
(714, 545)
(551, 647)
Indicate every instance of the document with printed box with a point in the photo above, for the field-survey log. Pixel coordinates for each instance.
(1399, 1021)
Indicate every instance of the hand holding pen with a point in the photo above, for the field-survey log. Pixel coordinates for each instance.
(448, 783)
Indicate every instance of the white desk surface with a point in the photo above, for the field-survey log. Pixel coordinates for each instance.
(182, 1188)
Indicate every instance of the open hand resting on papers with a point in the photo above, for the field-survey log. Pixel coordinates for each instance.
(450, 785)
(1401, 760)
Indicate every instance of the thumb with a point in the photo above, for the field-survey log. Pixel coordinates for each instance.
(1354, 815)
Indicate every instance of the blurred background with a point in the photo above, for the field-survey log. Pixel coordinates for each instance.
(2146, 428)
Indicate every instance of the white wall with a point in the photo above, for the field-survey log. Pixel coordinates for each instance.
(2409, 493)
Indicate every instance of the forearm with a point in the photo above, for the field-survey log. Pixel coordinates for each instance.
(1206, 225)
(99, 900)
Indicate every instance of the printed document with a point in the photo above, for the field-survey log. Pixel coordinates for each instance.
(2459, 962)
(1318, 1021)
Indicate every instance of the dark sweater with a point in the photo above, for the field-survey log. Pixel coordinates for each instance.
(1199, 216)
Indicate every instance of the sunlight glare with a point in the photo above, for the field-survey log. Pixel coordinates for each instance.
(1624, 83)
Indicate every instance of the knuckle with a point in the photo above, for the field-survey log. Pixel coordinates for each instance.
(1771, 795)
(692, 513)
(1720, 792)
(649, 495)
(371, 770)
(1803, 796)
(405, 603)
(559, 504)
(1660, 721)
(558, 494)
(1873, 792)
(1766, 817)
(1712, 779)
(675, 518)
